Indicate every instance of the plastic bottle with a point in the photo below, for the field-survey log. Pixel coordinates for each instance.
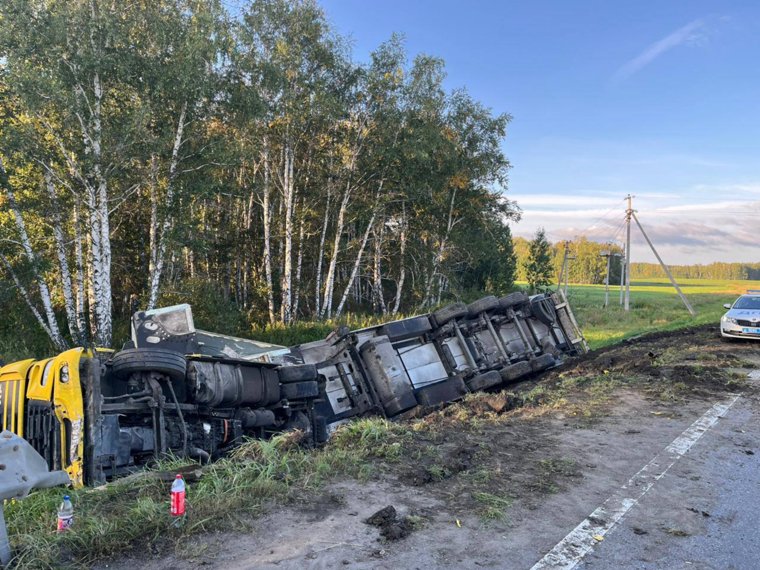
(178, 497)
(65, 514)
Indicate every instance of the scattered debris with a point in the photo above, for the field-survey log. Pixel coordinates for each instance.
(392, 527)
(676, 532)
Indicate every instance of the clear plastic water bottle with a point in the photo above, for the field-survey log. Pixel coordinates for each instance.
(177, 508)
(65, 514)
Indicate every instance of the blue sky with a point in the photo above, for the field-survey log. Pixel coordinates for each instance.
(659, 99)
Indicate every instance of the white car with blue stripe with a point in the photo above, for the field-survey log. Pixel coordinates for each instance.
(743, 317)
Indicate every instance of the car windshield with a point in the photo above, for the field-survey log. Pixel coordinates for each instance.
(747, 303)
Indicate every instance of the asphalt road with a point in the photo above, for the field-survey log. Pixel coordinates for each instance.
(704, 513)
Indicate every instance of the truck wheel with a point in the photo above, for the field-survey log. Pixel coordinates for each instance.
(515, 371)
(442, 316)
(406, 328)
(482, 305)
(299, 390)
(297, 373)
(126, 362)
(512, 300)
(441, 392)
(542, 362)
(484, 381)
(543, 310)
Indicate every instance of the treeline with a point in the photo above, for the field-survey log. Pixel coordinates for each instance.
(588, 265)
(717, 270)
(162, 150)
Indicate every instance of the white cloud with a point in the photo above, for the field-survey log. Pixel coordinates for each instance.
(698, 224)
(690, 34)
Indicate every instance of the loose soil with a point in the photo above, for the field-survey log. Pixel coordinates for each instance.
(498, 479)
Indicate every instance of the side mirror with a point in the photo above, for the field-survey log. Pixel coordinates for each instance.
(727, 305)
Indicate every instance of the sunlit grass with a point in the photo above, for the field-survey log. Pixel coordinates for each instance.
(655, 306)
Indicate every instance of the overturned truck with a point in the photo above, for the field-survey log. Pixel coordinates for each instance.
(99, 413)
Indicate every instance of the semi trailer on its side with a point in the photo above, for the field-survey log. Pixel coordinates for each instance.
(99, 413)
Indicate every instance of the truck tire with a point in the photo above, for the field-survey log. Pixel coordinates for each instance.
(126, 362)
(297, 373)
(441, 392)
(299, 390)
(542, 362)
(512, 300)
(483, 381)
(405, 329)
(483, 305)
(543, 310)
(442, 316)
(515, 371)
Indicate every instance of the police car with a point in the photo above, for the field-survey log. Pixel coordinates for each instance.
(743, 318)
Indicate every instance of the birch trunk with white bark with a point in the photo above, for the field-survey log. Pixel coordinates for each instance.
(321, 256)
(267, 215)
(299, 266)
(330, 277)
(360, 253)
(47, 305)
(355, 268)
(80, 270)
(288, 197)
(160, 251)
(402, 261)
(63, 263)
(439, 254)
(377, 273)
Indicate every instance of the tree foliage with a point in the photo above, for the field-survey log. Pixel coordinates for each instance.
(154, 149)
(538, 265)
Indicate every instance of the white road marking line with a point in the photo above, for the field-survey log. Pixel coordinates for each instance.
(581, 540)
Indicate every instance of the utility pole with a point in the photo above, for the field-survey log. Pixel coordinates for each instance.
(622, 277)
(691, 310)
(563, 269)
(628, 215)
(608, 255)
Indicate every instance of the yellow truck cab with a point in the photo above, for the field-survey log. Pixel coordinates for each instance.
(42, 402)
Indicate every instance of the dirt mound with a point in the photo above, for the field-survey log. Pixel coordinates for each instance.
(392, 527)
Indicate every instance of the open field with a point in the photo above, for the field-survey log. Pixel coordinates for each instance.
(654, 306)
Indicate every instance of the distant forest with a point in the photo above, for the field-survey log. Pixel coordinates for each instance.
(589, 267)
(717, 270)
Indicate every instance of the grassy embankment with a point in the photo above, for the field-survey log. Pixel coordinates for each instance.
(131, 515)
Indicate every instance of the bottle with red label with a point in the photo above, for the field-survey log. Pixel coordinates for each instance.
(177, 508)
(65, 514)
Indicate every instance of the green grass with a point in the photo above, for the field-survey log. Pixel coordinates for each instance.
(492, 507)
(655, 306)
(133, 513)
